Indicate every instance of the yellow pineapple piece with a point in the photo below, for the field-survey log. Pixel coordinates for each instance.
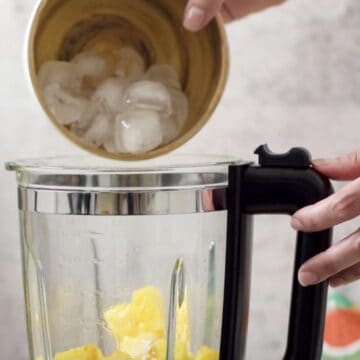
(149, 307)
(158, 350)
(118, 356)
(139, 329)
(120, 321)
(206, 353)
(87, 352)
(137, 347)
(144, 315)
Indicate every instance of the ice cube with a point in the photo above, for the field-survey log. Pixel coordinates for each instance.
(100, 130)
(149, 95)
(110, 146)
(111, 92)
(66, 106)
(130, 64)
(80, 126)
(180, 107)
(89, 64)
(138, 131)
(169, 128)
(165, 74)
(61, 73)
(93, 68)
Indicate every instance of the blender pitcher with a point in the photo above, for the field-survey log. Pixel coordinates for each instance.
(153, 261)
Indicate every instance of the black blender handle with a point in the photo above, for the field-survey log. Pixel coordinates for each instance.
(282, 184)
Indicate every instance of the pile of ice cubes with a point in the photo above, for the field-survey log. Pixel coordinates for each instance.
(112, 101)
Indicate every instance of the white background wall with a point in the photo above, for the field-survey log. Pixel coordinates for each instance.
(295, 80)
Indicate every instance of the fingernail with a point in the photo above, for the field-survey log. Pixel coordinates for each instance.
(308, 278)
(296, 223)
(194, 18)
(337, 282)
(320, 162)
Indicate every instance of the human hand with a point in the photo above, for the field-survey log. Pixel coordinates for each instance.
(340, 263)
(199, 13)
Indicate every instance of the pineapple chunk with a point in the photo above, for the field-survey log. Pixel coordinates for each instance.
(87, 352)
(158, 350)
(136, 347)
(90, 352)
(139, 329)
(118, 356)
(144, 315)
(206, 353)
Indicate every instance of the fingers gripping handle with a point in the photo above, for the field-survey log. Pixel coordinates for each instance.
(271, 190)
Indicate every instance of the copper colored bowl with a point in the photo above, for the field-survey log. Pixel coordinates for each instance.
(61, 28)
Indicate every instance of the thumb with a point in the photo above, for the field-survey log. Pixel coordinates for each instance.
(198, 13)
(345, 167)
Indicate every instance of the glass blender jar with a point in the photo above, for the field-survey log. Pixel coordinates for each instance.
(152, 261)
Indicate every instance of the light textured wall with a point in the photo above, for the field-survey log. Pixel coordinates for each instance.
(295, 80)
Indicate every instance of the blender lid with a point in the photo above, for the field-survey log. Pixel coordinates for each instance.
(174, 172)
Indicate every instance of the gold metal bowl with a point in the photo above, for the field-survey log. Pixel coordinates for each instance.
(62, 28)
